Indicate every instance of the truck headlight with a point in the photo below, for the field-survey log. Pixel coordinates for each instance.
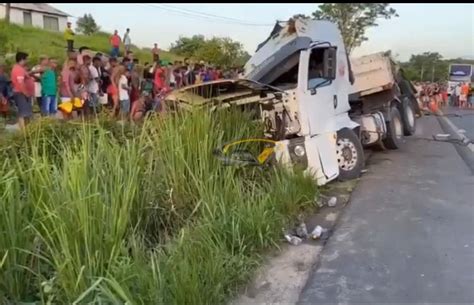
(299, 151)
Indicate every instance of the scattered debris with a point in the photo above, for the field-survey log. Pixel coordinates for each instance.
(294, 240)
(461, 130)
(364, 171)
(441, 136)
(332, 202)
(302, 231)
(317, 232)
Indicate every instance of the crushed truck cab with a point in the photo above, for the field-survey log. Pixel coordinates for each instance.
(318, 111)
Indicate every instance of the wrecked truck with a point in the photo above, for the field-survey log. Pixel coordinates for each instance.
(320, 107)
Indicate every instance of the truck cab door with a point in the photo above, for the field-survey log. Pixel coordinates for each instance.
(317, 93)
(317, 98)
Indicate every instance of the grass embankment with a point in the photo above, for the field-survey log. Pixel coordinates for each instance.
(97, 213)
(39, 42)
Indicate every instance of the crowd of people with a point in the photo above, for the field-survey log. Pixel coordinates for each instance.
(87, 82)
(442, 95)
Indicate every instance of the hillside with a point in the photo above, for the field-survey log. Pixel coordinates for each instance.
(37, 42)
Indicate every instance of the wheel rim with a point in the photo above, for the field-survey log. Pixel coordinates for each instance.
(398, 127)
(410, 116)
(346, 154)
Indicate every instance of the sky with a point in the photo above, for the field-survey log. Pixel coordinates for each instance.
(420, 27)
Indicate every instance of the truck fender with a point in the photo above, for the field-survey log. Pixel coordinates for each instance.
(343, 120)
(386, 111)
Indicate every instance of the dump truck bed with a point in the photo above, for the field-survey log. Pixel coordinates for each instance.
(373, 73)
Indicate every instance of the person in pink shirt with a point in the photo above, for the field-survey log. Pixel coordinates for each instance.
(23, 89)
(115, 43)
(159, 78)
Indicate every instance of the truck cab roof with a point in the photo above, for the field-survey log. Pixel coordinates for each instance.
(287, 38)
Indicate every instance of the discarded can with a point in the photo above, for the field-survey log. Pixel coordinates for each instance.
(294, 240)
(302, 231)
(332, 202)
(317, 232)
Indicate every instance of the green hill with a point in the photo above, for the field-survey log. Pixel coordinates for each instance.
(37, 42)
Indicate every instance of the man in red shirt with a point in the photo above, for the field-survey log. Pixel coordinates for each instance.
(23, 89)
(115, 43)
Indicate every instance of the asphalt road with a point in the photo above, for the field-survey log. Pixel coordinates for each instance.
(466, 121)
(407, 235)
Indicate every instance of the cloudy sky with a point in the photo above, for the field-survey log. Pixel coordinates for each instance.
(445, 28)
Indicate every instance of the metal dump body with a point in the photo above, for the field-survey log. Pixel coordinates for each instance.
(373, 73)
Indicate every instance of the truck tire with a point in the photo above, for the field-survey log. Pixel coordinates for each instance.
(408, 116)
(350, 155)
(394, 138)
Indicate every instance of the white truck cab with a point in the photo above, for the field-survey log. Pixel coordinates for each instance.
(318, 109)
(307, 59)
(328, 113)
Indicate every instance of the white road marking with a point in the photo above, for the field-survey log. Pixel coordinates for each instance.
(456, 130)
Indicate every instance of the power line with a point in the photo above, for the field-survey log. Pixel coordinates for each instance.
(217, 16)
(205, 16)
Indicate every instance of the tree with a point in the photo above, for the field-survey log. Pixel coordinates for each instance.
(219, 51)
(87, 25)
(353, 19)
(187, 46)
(428, 66)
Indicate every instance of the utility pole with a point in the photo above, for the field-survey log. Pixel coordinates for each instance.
(7, 12)
(421, 74)
(432, 73)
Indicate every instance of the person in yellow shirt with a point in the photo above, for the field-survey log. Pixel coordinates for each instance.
(69, 37)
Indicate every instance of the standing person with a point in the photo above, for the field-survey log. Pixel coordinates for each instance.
(36, 73)
(124, 95)
(82, 52)
(127, 41)
(113, 89)
(69, 37)
(67, 80)
(94, 84)
(464, 93)
(5, 91)
(49, 89)
(115, 43)
(159, 78)
(457, 93)
(23, 89)
(135, 81)
(155, 53)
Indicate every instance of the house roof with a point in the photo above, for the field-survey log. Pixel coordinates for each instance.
(38, 7)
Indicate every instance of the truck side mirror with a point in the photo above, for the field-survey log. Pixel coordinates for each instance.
(329, 71)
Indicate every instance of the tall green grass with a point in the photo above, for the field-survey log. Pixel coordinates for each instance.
(103, 214)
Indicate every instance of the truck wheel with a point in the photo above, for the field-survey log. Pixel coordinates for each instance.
(350, 155)
(394, 139)
(408, 117)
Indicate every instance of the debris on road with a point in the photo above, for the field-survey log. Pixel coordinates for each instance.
(294, 240)
(317, 232)
(332, 202)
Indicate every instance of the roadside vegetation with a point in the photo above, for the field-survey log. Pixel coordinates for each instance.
(104, 214)
(38, 42)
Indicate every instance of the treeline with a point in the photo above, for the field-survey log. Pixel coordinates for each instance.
(430, 66)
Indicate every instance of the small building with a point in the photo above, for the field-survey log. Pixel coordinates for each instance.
(39, 15)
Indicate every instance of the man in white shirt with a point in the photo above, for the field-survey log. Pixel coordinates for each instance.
(127, 41)
(457, 93)
(94, 84)
(124, 97)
